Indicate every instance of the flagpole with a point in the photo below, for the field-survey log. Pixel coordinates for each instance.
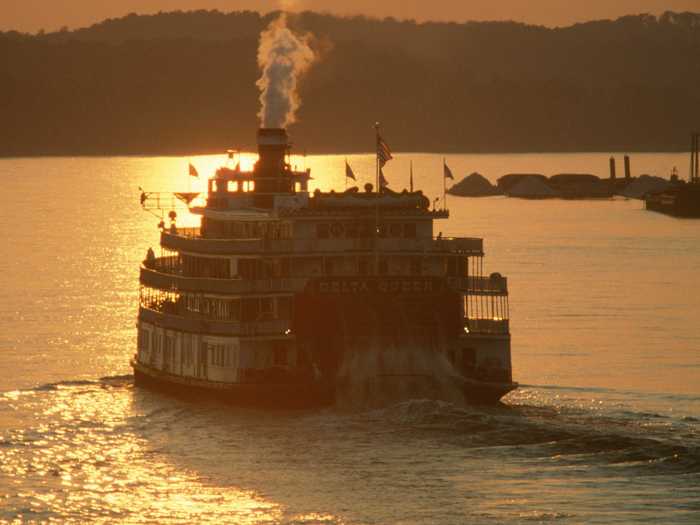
(346, 173)
(444, 185)
(410, 182)
(376, 207)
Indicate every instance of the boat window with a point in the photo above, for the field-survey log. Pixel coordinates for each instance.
(363, 266)
(249, 309)
(351, 230)
(232, 186)
(266, 308)
(409, 230)
(322, 231)
(284, 308)
(143, 339)
(416, 266)
(452, 266)
(279, 355)
(367, 230)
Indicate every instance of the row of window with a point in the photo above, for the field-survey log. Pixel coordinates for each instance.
(355, 230)
(245, 309)
(216, 229)
(155, 343)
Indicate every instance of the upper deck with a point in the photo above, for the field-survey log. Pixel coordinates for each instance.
(190, 240)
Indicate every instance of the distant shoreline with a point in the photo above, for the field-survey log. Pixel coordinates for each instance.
(310, 153)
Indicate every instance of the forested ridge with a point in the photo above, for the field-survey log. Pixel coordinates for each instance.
(184, 82)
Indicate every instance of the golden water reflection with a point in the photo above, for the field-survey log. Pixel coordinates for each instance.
(81, 458)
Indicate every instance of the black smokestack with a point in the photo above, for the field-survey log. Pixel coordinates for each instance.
(628, 171)
(271, 171)
(272, 147)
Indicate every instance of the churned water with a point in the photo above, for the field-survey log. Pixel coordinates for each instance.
(605, 307)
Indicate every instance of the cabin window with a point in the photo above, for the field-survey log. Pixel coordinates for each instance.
(235, 310)
(284, 267)
(416, 266)
(409, 230)
(143, 339)
(284, 307)
(328, 266)
(363, 266)
(249, 309)
(337, 229)
(366, 230)
(462, 266)
(279, 355)
(322, 231)
(232, 186)
(351, 230)
(187, 354)
(452, 266)
(266, 308)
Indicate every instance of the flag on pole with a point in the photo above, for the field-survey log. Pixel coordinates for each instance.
(349, 174)
(383, 183)
(447, 171)
(383, 152)
(193, 171)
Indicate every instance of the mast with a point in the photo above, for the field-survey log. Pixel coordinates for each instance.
(444, 185)
(376, 206)
(694, 159)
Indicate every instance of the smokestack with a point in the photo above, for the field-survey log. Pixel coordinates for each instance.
(628, 171)
(272, 147)
(270, 173)
(612, 168)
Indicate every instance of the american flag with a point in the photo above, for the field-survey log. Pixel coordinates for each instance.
(383, 152)
(383, 183)
(193, 171)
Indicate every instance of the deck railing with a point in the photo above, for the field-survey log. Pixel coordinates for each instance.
(487, 326)
(188, 240)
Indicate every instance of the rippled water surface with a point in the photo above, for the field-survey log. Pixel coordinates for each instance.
(606, 341)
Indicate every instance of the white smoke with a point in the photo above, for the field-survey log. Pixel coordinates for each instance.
(283, 58)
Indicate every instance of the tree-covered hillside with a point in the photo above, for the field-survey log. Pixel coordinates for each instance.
(185, 82)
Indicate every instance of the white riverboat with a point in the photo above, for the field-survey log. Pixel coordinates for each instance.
(266, 302)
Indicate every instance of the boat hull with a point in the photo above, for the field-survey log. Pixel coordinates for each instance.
(280, 396)
(283, 396)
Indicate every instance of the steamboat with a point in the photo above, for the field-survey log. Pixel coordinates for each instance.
(267, 302)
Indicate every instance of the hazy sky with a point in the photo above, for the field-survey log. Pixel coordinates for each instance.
(31, 15)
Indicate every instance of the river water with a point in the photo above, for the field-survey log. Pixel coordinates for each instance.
(605, 309)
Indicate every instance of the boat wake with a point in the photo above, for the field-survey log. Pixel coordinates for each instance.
(633, 442)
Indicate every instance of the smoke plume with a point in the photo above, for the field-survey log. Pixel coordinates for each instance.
(283, 58)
